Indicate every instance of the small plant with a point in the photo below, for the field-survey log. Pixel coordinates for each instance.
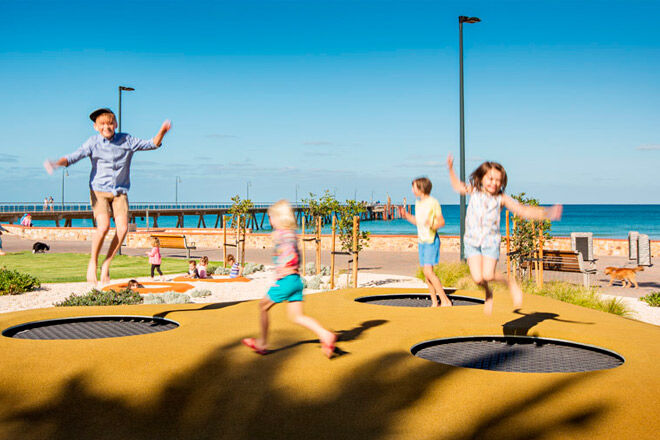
(200, 293)
(167, 298)
(222, 271)
(211, 269)
(13, 282)
(578, 295)
(100, 298)
(525, 234)
(347, 211)
(652, 299)
(314, 282)
(250, 268)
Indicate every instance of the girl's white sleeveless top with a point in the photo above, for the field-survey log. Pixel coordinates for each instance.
(482, 221)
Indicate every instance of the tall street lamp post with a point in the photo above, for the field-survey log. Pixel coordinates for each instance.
(247, 190)
(122, 89)
(462, 19)
(176, 190)
(64, 173)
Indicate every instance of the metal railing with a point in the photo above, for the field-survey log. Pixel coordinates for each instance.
(11, 207)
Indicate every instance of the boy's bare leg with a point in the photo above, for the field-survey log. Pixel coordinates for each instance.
(437, 289)
(432, 294)
(296, 315)
(264, 306)
(102, 226)
(121, 227)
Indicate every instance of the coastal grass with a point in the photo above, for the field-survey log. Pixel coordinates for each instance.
(458, 275)
(652, 299)
(70, 267)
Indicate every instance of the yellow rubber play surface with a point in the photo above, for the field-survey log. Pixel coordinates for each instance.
(199, 382)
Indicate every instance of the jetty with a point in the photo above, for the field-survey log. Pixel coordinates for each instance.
(63, 214)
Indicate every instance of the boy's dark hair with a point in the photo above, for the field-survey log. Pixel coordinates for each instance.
(423, 184)
(477, 175)
(192, 262)
(230, 257)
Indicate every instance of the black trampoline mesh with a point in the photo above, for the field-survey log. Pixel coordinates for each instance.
(91, 327)
(517, 354)
(416, 300)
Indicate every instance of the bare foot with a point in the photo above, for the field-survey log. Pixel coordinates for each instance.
(105, 272)
(516, 295)
(91, 273)
(328, 344)
(447, 304)
(488, 306)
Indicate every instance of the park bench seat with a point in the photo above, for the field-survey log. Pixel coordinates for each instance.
(566, 261)
(174, 241)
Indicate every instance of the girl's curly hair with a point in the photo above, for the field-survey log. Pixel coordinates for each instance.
(478, 175)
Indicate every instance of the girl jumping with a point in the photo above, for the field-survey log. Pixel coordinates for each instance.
(482, 224)
(288, 286)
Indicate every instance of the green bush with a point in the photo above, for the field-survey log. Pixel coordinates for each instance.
(251, 268)
(200, 293)
(652, 299)
(13, 282)
(222, 271)
(99, 298)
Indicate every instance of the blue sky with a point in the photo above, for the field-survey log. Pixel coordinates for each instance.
(353, 96)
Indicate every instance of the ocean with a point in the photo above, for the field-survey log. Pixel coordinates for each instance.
(607, 221)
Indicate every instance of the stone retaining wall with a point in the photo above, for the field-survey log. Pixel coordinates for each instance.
(212, 238)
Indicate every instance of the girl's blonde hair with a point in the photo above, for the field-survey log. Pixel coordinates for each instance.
(283, 215)
(155, 242)
(204, 260)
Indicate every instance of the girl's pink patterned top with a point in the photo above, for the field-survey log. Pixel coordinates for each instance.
(287, 256)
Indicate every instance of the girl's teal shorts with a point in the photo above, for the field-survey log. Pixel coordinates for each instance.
(288, 288)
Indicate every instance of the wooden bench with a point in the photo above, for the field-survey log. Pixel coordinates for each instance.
(565, 261)
(173, 241)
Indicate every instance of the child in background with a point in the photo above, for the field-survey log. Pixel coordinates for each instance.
(288, 286)
(1, 251)
(133, 284)
(201, 267)
(428, 218)
(155, 258)
(192, 270)
(236, 268)
(482, 224)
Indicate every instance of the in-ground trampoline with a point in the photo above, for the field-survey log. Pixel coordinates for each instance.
(517, 354)
(417, 299)
(90, 327)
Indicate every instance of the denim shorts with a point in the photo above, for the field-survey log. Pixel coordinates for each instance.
(492, 251)
(288, 288)
(429, 252)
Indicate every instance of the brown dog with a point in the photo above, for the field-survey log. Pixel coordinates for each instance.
(625, 274)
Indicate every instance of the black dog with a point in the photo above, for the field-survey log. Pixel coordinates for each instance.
(40, 247)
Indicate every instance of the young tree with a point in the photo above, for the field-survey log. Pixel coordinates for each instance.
(525, 235)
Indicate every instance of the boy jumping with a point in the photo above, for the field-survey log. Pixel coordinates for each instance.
(109, 181)
(428, 218)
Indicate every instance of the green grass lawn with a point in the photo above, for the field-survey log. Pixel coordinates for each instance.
(64, 268)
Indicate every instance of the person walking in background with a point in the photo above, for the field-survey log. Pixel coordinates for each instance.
(288, 286)
(109, 181)
(46, 203)
(51, 202)
(155, 258)
(482, 224)
(1, 251)
(428, 218)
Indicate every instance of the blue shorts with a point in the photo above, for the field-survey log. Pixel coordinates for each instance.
(429, 252)
(492, 251)
(288, 288)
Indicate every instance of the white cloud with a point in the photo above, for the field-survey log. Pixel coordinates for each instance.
(317, 143)
(648, 148)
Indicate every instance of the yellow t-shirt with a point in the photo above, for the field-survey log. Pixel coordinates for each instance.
(427, 211)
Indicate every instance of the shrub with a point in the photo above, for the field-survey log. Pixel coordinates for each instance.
(250, 268)
(652, 299)
(211, 269)
(99, 298)
(314, 282)
(310, 269)
(167, 298)
(222, 271)
(13, 282)
(200, 293)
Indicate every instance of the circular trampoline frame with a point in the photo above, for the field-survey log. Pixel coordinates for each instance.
(11, 332)
(513, 340)
(373, 299)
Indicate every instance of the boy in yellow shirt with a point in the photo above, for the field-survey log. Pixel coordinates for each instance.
(428, 218)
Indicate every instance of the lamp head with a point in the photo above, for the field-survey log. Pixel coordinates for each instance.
(127, 89)
(464, 19)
